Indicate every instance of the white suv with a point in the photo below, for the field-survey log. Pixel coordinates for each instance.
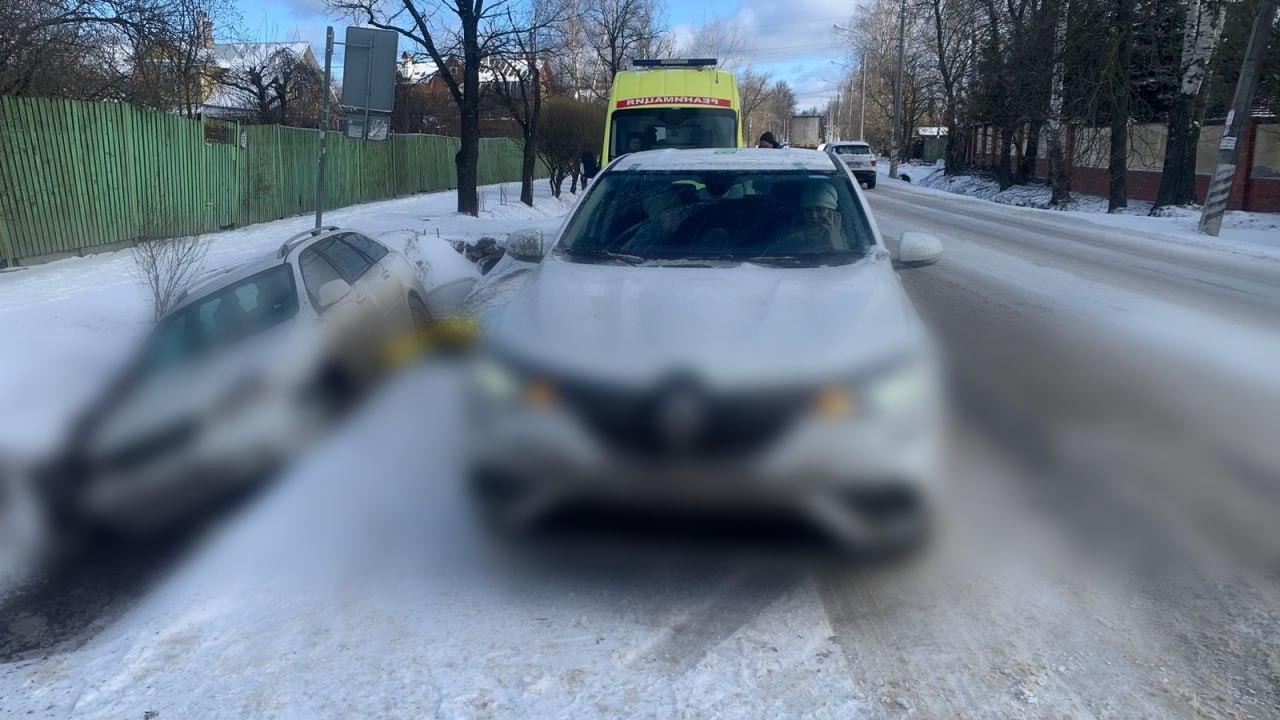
(236, 377)
(858, 157)
(719, 329)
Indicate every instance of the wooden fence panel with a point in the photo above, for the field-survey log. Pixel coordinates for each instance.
(78, 175)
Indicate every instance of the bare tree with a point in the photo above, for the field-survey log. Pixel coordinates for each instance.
(953, 25)
(1119, 59)
(753, 93)
(167, 266)
(1201, 25)
(152, 53)
(1059, 179)
(720, 38)
(619, 30)
(570, 128)
(520, 78)
(270, 84)
(459, 36)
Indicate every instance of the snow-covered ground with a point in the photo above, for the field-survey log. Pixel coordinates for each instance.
(67, 324)
(361, 585)
(1251, 233)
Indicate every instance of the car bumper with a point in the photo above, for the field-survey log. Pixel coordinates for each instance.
(838, 474)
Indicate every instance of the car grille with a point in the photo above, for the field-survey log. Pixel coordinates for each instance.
(679, 418)
(149, 446)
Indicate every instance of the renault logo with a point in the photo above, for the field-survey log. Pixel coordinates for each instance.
(680, 417)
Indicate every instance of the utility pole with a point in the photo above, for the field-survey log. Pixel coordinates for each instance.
(324, 126)
(897, 93)
(862, 114)
(1215, 200)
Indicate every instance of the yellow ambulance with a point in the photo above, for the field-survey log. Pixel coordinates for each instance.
(671, 103)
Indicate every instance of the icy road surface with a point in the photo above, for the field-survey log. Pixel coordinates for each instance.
(1109, 552)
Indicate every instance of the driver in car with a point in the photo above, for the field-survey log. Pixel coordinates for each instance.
(817, 227)
(664, 211)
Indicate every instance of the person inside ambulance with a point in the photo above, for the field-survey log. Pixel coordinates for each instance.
(634, 142)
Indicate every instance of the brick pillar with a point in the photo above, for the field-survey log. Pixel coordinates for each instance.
(1239, 198)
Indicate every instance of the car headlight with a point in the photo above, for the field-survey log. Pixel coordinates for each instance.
(243, 393)
(892, 389)
(503, 383)
(903, 386)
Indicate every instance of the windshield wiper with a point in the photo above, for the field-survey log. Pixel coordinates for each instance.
(813, 260)
(604, 256)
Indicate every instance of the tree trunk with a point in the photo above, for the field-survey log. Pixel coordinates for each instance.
(1004, 171)
(1059, 179)
(1118, 166)
(1200, 35)
(951, 161)
(529, 166)
(534, 110)
(1027, 168)
(468, 157)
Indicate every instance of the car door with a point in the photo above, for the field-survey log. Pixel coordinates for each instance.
(385, 277)
(355, 268)
(349, 335)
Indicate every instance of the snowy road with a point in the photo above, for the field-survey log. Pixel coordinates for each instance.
(1110, 550)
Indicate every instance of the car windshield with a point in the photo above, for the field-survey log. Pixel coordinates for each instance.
(223, 317)
(852, 150)
(794, 218)
(657, 128)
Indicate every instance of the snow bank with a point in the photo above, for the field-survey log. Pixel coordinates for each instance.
(67, 325)
(1250, 233)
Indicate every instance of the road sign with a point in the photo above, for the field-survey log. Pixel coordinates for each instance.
(369, 70)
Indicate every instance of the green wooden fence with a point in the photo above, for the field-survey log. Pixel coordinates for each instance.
(77, 175)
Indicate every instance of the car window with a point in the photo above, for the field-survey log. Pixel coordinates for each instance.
(371, 249)
(784, 217)
(316, 271)
(224, 316)
(852, 150)
(344, 257)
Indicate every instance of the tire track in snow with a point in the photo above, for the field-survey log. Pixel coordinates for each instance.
(688, 637)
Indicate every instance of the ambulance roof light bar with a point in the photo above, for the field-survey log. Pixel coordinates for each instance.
(673, 62)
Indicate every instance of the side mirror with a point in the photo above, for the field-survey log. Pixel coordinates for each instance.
(525, 245)
(590, 165)
(331, 292)
(917, 250)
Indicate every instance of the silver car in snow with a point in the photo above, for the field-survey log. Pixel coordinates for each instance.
(718, 329)
(237, 377)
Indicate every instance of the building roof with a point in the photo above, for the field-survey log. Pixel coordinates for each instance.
(242, 56)
(727, 159)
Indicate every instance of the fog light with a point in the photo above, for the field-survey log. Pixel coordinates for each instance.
(833, 403)
(540, 394)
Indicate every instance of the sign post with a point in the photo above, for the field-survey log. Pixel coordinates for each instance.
(369, 80)
(368, 84)
(324, 125)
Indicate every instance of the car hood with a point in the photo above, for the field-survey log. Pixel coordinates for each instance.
(186, 393)
(741, 324)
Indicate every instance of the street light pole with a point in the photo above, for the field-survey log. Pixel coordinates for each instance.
(897, 93)
(324, 126)
(862, 113)
(1215, 199)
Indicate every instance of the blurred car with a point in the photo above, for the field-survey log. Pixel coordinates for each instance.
(247, 365)
(858, 157)
(718, 329)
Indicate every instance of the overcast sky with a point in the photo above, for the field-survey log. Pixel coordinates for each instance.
(792, 39)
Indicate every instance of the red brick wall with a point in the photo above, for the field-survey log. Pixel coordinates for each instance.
(1247, 193)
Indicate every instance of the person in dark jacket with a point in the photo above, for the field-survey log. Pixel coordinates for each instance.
(767, 140)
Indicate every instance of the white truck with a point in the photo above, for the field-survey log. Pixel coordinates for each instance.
(805, 131)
